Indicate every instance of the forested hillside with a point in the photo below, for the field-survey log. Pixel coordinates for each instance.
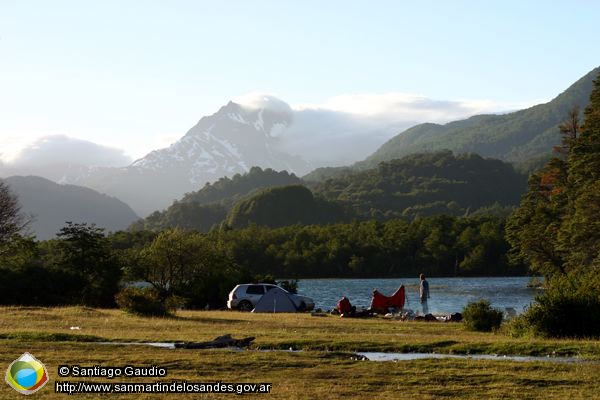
(426, 184)
(518, 137)
(209, 206)
(283, 206)
(227, 191)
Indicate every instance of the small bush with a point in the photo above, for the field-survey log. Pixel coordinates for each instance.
(480, 316)
(291, 285)
(140, 301)
(176, 302)
(569, 307)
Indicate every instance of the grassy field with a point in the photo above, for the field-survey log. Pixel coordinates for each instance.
(324, 369)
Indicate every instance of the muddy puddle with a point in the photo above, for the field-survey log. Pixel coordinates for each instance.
(378, 356)
(381, 356)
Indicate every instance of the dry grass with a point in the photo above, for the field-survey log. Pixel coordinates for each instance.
(313, 373)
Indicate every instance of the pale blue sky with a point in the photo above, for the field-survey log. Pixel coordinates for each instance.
(137, 74)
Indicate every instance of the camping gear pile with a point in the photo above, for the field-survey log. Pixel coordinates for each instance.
(391, 307)
(346, 310)
(380, 304)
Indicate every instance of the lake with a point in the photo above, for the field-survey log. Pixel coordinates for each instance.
(448, 295)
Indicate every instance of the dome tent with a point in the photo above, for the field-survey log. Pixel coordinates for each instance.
(275, 300)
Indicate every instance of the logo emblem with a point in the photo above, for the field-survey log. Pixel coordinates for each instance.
(26, 374)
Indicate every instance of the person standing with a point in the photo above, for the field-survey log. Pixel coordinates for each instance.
(424, 293)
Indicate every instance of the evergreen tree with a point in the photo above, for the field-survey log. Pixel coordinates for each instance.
(580, 234)
(557, 226)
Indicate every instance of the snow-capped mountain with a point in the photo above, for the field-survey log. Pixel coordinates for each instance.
(231, 141)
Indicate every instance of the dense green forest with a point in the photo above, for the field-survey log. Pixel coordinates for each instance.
(227, 191)
(518, 137)
(426, 184)
(438, 245)
(284, 206)
(187, 215)
(324, 173)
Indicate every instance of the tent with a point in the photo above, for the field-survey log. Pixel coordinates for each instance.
(381, 303)
(275, 300)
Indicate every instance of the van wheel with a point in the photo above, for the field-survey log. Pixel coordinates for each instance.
(302, 307)
(245, 306)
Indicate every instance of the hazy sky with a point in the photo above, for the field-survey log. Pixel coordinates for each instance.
(136, 75)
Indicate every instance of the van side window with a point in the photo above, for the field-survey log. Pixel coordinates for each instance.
(267, 288)
(255, 289)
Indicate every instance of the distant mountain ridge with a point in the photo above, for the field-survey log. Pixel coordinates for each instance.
(51, 205)
(518, 137)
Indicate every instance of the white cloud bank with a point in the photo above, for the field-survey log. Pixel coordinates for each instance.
(260, 100)
(397, 106)
(347, 128)
(61, 149)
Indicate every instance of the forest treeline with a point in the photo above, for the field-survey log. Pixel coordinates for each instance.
(85, 266)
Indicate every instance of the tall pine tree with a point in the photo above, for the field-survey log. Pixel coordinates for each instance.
(556, 229)
(580, 231)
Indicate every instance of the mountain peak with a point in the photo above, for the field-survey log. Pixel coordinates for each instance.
(258, 116)
(230, 106)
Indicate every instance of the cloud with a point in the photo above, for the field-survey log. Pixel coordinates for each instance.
(61, 149)
(331, 138)
(349, 127)
(261, 100)
(396, 107)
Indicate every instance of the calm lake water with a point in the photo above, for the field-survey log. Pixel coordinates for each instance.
(448, 295)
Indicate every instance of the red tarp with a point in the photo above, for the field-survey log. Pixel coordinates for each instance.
(381, 303)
